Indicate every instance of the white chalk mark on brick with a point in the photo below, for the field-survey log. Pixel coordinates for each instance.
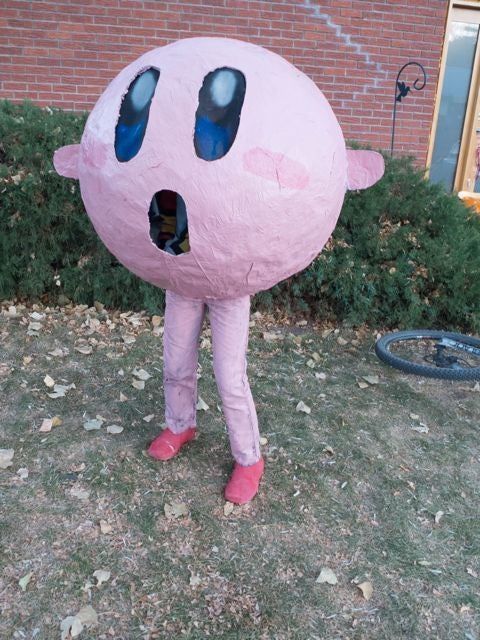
(347, 39)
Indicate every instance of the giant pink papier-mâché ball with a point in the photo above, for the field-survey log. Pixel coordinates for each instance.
(214, 168)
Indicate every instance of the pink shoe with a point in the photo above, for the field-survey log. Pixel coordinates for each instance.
(168, 444)
(243, 483)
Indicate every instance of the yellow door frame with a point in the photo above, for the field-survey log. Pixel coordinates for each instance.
(456, 10)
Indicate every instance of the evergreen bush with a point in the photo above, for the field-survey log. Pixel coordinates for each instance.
(48, 246)
(404, 253)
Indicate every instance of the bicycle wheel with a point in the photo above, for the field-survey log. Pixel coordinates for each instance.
(423, 353)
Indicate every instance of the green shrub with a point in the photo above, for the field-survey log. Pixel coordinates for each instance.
(404, 252)
(46, 237)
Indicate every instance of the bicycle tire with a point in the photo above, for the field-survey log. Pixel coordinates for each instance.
(383, 344)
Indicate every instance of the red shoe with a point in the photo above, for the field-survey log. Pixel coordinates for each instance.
(168, 444)
(243, 483)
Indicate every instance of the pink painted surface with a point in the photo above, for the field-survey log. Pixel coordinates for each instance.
(286, 172)
(364, 168)
(247, 230)
(65, 160)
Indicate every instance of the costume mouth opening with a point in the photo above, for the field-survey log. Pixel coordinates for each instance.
(169, 223)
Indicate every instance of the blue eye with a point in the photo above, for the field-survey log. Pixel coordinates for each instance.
(220, 102)
(134, 111)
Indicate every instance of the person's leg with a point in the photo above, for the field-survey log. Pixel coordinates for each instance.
(182, 327)
(229, 321)
(183, 324)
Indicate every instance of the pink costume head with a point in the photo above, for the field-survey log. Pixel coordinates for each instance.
(214, 168)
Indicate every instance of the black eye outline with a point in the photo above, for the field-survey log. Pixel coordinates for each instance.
(134, 111)
(220, 102)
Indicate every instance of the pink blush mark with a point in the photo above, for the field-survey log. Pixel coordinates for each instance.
(277, 167)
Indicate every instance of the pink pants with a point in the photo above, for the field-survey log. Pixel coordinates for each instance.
(229, 320)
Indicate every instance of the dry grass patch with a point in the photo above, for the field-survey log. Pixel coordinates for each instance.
(377, 483)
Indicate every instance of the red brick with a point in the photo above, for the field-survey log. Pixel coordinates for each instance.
(65, 52)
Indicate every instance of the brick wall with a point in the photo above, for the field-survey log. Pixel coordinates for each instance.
(63, 52)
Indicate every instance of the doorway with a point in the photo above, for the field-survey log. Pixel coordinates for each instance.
(454, 155)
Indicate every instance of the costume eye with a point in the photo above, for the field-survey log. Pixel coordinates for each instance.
(134, 110)
(220, 102)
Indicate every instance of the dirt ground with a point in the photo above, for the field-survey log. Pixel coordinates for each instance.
(366, 525)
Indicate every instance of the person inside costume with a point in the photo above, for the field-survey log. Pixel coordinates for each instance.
(213, 168)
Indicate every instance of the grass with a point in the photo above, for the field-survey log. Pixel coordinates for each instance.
(352, 486)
